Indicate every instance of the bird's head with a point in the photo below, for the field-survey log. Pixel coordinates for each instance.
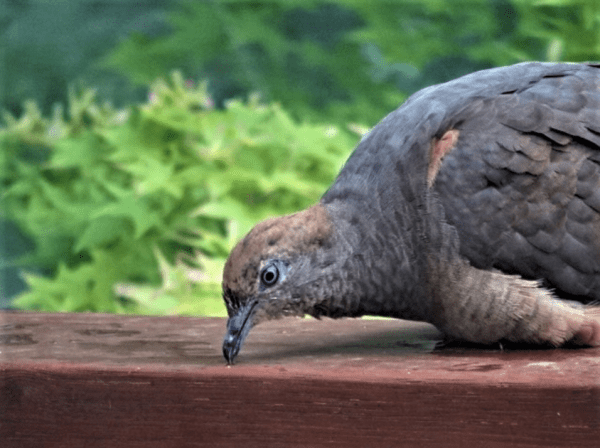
(269, 273)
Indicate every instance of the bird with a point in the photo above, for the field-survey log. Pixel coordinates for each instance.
(474, 206)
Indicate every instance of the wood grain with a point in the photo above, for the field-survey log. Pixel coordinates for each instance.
(102, 380)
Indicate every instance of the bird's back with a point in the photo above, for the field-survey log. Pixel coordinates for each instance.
(522, 184)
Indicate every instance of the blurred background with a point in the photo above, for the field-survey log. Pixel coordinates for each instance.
(139, 140)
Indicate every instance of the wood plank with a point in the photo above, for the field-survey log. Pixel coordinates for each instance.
(127, 381)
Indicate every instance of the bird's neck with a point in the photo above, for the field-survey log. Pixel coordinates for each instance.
(380, 268)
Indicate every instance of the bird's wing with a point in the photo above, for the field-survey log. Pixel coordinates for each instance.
(522, 184)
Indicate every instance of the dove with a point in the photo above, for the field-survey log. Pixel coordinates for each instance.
(474, 206)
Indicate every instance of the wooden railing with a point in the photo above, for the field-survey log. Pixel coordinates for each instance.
(91, 380)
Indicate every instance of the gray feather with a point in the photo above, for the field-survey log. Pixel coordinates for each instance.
(522, 183)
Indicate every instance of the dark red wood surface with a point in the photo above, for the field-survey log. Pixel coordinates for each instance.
(90, 380)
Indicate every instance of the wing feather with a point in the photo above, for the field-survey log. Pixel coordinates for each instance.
(522, 186)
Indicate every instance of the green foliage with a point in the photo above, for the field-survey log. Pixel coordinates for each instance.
(47, 45)
(117, 201)
(135, 210)
(570, 28)
(345, 60)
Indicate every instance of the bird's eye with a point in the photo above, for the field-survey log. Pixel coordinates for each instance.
(274, 270)
(269, 275)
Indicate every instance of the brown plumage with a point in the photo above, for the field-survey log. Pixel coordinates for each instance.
(461, 208)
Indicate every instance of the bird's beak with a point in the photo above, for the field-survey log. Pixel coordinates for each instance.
(238, 327)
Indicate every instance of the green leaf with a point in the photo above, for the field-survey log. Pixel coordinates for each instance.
(135, 210)
(102, 230)
(81, 151)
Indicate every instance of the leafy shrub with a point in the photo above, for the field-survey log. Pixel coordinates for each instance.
(144, 204)
(344, 60)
